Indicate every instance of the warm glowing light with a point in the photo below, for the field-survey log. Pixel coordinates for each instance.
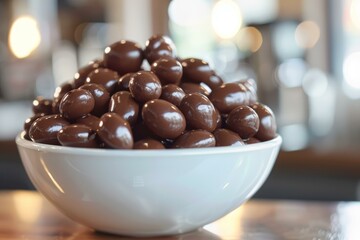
(230, 224)
(189, 12)
(56, 184)
(24, 36)
(249, 39)
(355, 13)
(27, 205)
(226, 18)
(351, 70)
(307, 34)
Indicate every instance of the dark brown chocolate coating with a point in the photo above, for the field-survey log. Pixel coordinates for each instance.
(123, 83)
(159, 46)
(145, 86)
(141, 132)
(101, 97)
(125, 105)
(115, 132)
(76, 103)
(163, 118)
(46, 128)
(195, 139)
(219, 120)
(251, 140)
(199, 112)
(197, 71)
(42, 105)
(172, 93)
(104, 76)
(29, 121)
(59, 93)
(89, 120)
(62, 89)
(229, 96)
(250, 86)
(194, 88)
(168, 70)
(244, 121)
(81, 75)
(267, 128)
(77, 136)
(123, 57)
(225, 137)
(148, 144)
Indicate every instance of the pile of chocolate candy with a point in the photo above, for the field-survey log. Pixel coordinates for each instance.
(177, 103)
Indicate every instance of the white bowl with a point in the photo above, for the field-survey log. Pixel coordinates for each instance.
(147, 192)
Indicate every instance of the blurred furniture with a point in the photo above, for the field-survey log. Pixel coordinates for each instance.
(27, 215)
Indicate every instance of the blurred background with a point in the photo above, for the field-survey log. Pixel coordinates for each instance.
(304, 55)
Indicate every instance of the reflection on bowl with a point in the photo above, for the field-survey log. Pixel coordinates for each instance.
(147, 192)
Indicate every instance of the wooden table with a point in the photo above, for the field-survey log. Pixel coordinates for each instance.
(27, 215)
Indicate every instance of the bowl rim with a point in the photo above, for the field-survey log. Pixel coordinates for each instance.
(21, 141)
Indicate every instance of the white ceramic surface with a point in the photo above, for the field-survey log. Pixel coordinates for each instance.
(147, 192)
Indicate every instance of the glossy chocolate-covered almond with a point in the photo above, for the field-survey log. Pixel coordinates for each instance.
(29, 121)
(59, 93)
(77, 136)
(123, 57)
(219, 119)
(244, 121)
(89, 120)
(225, 137)
(199, 112)
(42, 105)
(251, 88)
(125, 105)
(267, 128)
(76, 103)
(172, 93)
(195, 139)
(158, 46)
(141, 131)
(163, 118)
(197, 71)
(104, 76)
(46, 128)
(101, 97)
(229, 96)
(251, 140)
(148, 144)
(145, 86)
(81, 75)
(123, 83)
(168, 70)
(62, 89)
(194, 88)
(115, 132)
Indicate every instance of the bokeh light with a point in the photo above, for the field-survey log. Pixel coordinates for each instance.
(290, 73)
(188, 12)
(351, 70)
(283, 41)
(355, 13)
(24, 36)
(307, 34)
(249, 39)
(315, 83)
(226, 18)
